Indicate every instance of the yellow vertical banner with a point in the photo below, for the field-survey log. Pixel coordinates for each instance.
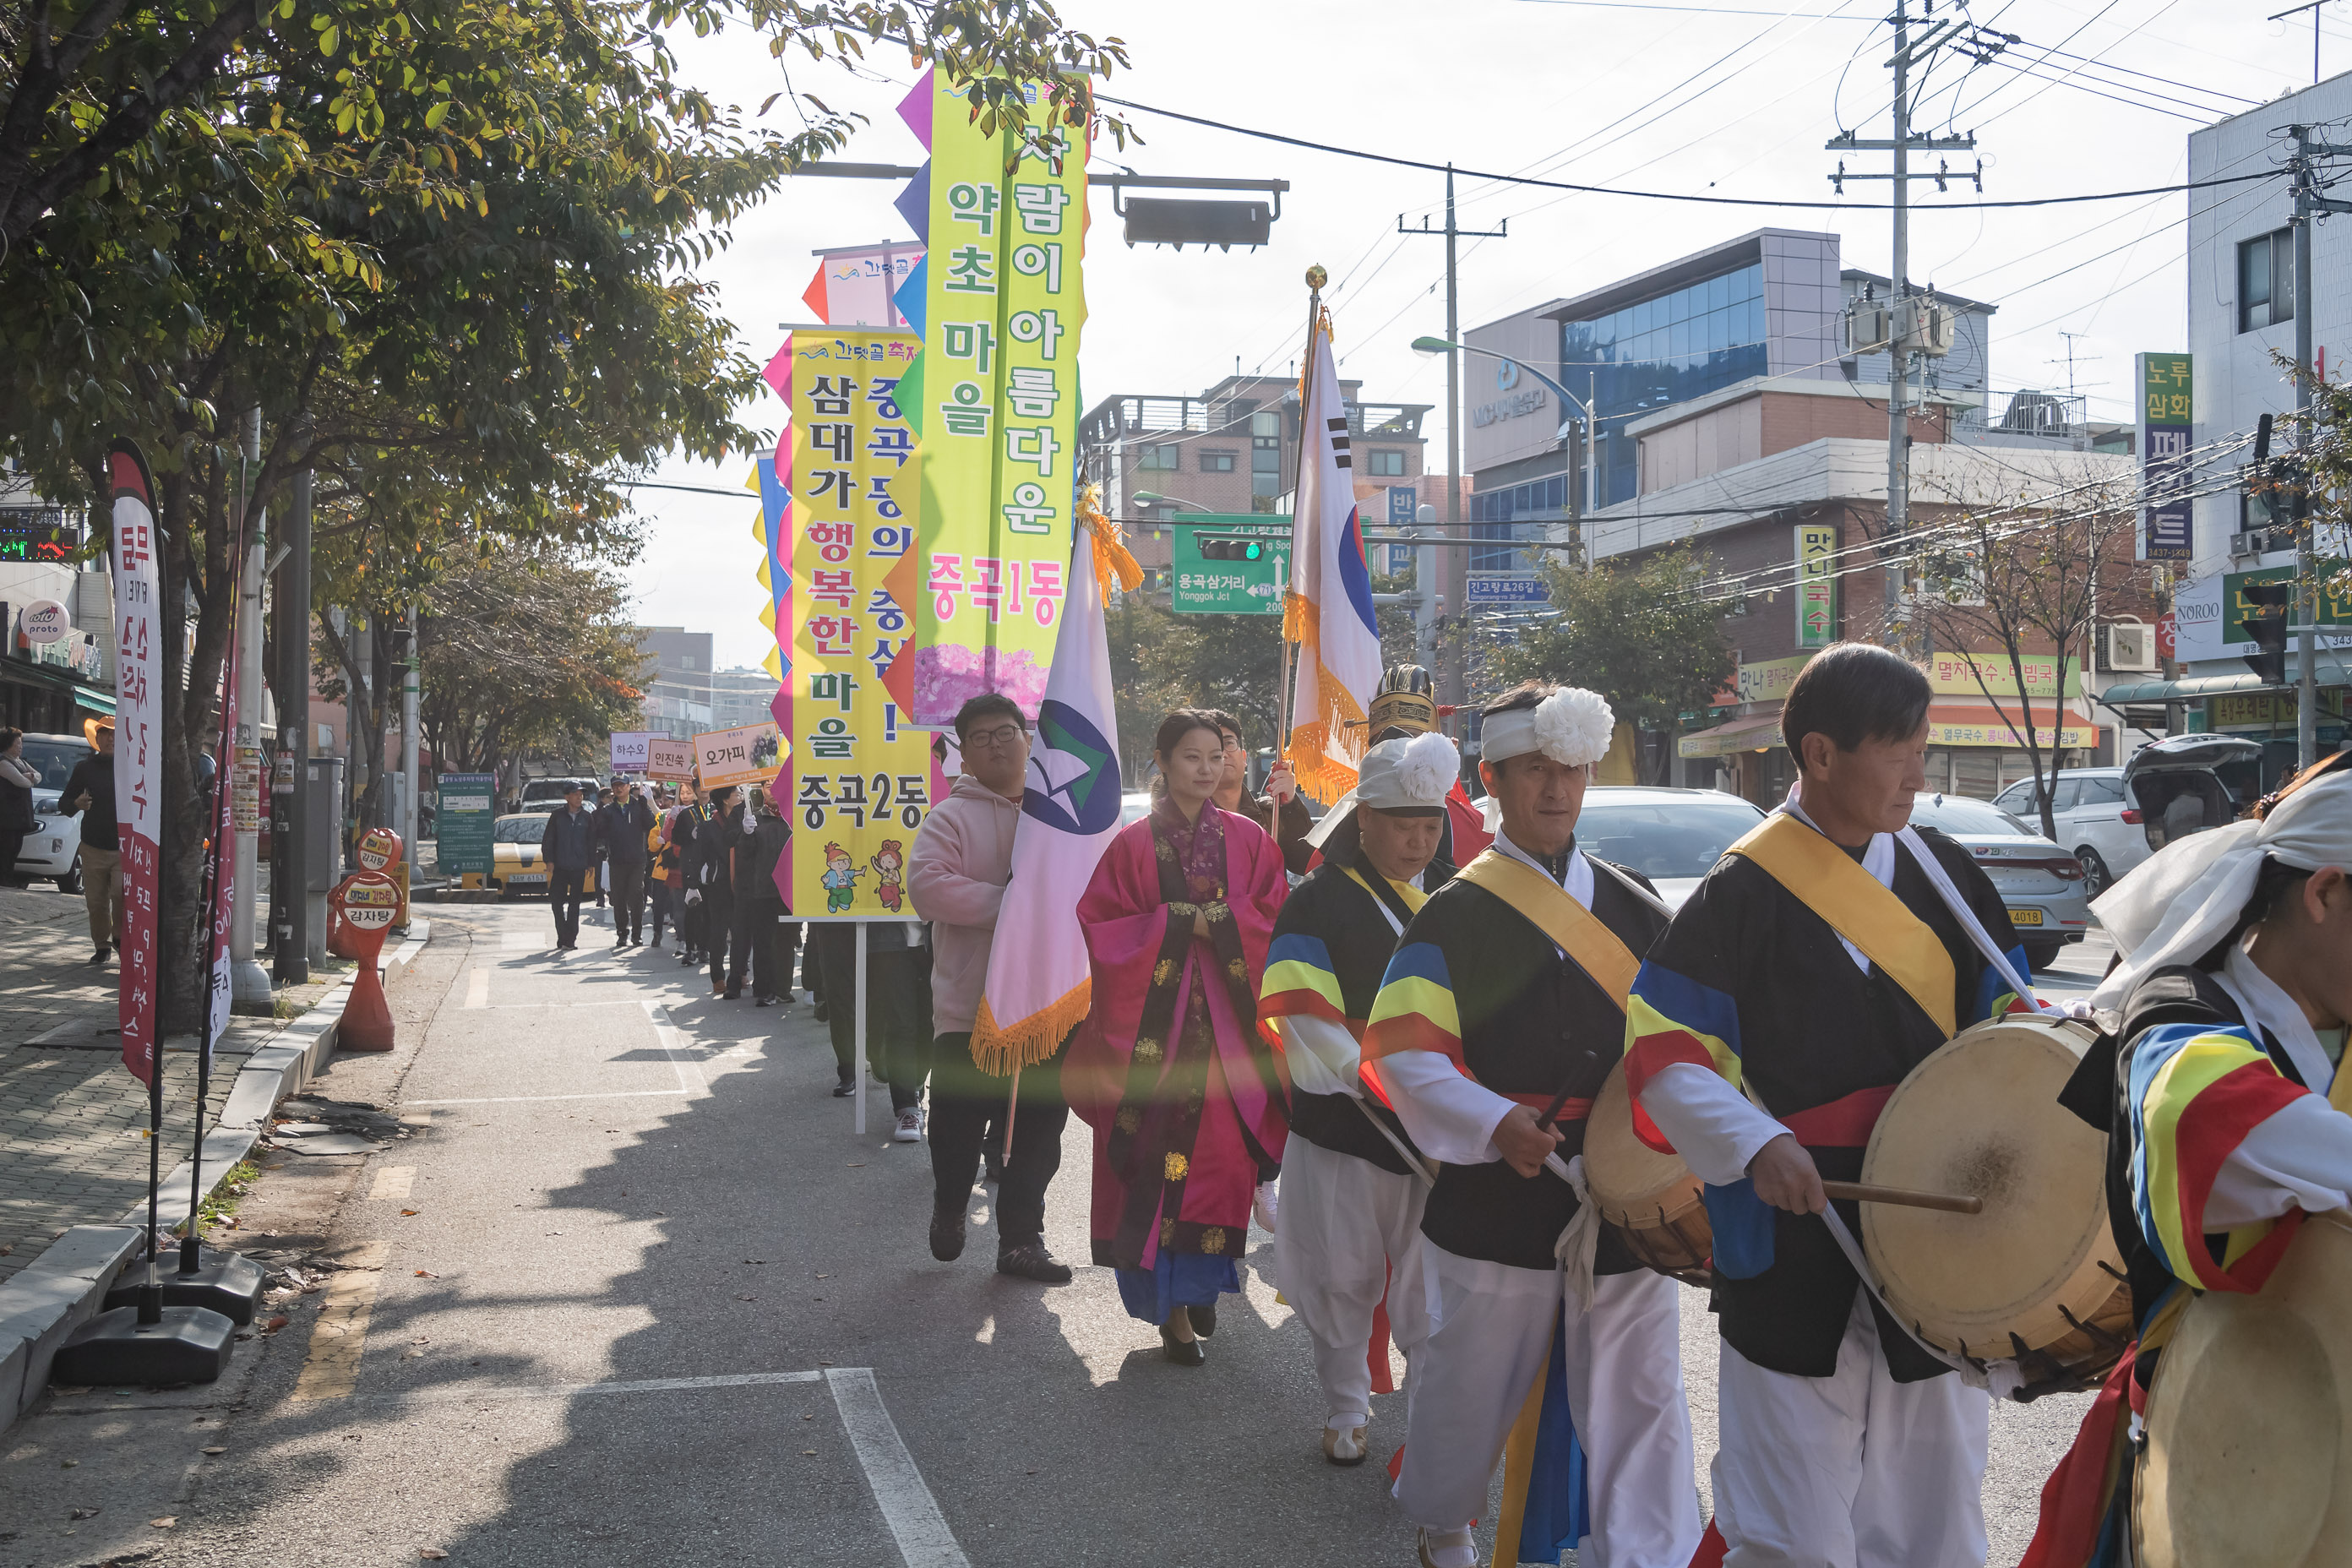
(1003, 305)
(859, 772)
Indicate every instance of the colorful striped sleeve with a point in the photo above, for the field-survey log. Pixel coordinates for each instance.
(1300, 982)
(1415, 1010)
(2196, 1090)
(1671, 1017)
(1994, 996)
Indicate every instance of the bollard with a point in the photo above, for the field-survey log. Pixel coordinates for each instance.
(365, 905)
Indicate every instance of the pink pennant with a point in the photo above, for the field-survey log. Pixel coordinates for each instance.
(915, 109)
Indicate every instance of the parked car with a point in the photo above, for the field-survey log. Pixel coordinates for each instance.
(1673, 837)
(53, 849)
(516, 865)
(1134, 807)
(2188, 784)
(2041, 883)
(2094, 819)
(545, 794)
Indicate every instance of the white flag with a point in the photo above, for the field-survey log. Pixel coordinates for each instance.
(1329, 611)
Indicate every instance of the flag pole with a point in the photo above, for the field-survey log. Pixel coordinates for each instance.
(1315, 278)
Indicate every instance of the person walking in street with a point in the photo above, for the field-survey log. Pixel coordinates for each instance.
(661, 872)
(693, 920)
(1280, 810)
(760, 906)
(961, 860)
(568, 845)
(621, 828)
(712, 887)
(90, 790)
(17, 780)
(1184, 1095)
(898, 1005)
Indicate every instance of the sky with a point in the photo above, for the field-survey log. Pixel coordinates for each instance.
(1682, 98)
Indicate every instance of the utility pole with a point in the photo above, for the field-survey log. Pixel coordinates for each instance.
(248, 982)
(1905, 320)
(290, 899)
(2309, 206)
(2298, 10)
(1453, 234)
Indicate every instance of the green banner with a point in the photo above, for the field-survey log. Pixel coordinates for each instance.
(465, 811)
(2334, 609)
(1227, 564)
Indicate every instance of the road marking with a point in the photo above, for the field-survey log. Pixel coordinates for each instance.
(690, 1073)
(477, 988)
(333, 1368)
(534, 1098)
(392, 1183)
(460, 1394)
(908, 1507)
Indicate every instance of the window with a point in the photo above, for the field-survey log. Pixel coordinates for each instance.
(1158, 457)
(1265, 455)
(1385, 465)
(2266, 280)
(2102, 792)
(1216, 462)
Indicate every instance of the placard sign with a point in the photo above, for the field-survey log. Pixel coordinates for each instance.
(672, 762)
(747, 754)
(628, 750)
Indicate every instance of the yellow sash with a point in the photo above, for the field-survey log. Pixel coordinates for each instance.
(1572, 927)
(1828, 881)
(1413, 896)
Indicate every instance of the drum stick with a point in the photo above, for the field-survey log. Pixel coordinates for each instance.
(1861, 1193)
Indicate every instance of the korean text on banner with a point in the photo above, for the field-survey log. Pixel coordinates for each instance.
(671, 761)
(1816, 584)
(747, 754)
(2168, 481)
(860, 777)
(138, 748)
(628, 750)
(1000, 406)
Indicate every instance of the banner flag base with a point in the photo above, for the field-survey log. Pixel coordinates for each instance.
(192, 1344)
(228, 1283)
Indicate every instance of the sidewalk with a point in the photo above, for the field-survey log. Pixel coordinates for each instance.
(71, 1116)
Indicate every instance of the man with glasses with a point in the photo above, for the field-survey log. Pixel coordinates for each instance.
(1291, 826)
(961, 860)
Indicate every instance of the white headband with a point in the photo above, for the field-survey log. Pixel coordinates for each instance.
(1571, 726)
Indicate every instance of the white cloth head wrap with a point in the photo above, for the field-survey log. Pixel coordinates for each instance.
(2177, 904)
(1571, 726)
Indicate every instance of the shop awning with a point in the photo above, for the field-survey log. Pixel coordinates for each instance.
(1759, 733)
(1981, 724)
(55, 680)
(2331, 671)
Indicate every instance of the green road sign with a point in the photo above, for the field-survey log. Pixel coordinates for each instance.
(1228, 563)
(462, 822)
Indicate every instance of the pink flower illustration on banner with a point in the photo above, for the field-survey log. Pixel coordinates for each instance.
(948, 675)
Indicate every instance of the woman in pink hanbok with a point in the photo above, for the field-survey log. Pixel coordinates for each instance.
(1187, 1099)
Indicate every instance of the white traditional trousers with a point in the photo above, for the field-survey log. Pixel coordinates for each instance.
(1489, 1335)
(1345, 1229)
(1853, 1470)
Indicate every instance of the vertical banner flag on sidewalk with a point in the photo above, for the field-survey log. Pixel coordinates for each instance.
(1038, 987)
(1328, 612)
(220, 861)
(995, 400)
(859, 772)
(138, 746)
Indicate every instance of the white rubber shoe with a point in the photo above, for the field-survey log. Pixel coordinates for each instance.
(1446, 1548)
(1262, 1204)
(910, 1126)
(1344, 1445)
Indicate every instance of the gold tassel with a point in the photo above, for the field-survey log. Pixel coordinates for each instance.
(997, 1049)
(1112, 558)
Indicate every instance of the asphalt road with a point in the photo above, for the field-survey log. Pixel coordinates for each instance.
(633, 1292)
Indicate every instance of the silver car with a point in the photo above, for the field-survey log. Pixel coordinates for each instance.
(1673, 837)
(52, 849)
(2094, 819)
(2041, 882)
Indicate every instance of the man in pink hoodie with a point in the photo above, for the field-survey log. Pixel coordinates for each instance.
(956, 875)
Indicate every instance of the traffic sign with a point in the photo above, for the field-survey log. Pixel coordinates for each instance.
(1228, 563)
(1503, 588)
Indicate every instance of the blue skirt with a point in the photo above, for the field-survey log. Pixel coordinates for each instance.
(1176, 1280)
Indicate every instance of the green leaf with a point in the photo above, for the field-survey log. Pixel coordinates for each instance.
(436, 115)
(329, 40)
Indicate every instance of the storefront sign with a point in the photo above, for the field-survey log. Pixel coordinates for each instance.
(860, 779)
(1983, 674)
(465, 815)
(1816, 584)
(2266, 710)
(2070, 738)
(998, 409)
(43, 622)
(1768, 681)
(2167, 479)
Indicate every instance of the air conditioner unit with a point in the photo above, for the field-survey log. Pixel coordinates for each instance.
(2131, 646)
(1866, 328)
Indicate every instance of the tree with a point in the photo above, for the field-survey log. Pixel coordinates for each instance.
(1160, 660)
(1640, 632)
(2030, 576)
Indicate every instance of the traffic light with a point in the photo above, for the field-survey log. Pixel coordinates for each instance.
(2265, 620)
(1231, 549)
(2280, 487)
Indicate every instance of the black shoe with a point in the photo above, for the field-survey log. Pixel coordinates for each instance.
(733, 993)
(1204, 1318)
(947, 1234)
(845, 1088)
(820, 1014)
(764, 1001)
(1183, 1352)
(100, 957)
(993, 1173)
(1030, 1261)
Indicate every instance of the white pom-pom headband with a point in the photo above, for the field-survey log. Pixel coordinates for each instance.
(1572, 726)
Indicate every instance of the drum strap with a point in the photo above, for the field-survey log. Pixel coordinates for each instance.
(1573, 928)
(1823, 879)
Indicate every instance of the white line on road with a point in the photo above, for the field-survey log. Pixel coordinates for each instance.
(689, 1074)
(461, 1392)
(477, 989)
(906, 1504)
(534, 1099)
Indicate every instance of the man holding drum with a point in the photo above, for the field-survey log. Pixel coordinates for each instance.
(1829, 953)
(1351, 1184)
(1496, 1021)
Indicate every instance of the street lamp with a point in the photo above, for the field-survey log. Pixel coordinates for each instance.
(1151, 499)
(1430, 347)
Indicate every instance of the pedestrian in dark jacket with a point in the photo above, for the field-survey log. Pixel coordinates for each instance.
(692, 919)
(568, 845)
(712, 885)
(760, 908)
(621, 829)
(17, 778)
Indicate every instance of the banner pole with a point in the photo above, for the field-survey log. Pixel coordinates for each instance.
(858, 1027)
(1011, 1111)
(1290, 562)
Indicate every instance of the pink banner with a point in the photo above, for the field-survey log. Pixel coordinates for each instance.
(138, 749)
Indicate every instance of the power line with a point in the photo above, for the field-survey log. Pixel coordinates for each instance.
(1674, 195)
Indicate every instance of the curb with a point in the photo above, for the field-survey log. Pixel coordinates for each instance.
(60, 1290)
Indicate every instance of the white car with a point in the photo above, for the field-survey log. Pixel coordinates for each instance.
(1673, 837)
(53, 849)
(2095, 822)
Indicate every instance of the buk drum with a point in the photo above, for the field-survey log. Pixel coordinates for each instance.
(1650, 1200)
(2248, 1458)
(2035, 1277)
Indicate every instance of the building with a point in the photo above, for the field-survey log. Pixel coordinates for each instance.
(2242, 315)
(52, 687)
(678, 694)
(742, 696)
(1728, 415)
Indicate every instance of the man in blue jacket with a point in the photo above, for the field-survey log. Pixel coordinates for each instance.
(568, 846)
